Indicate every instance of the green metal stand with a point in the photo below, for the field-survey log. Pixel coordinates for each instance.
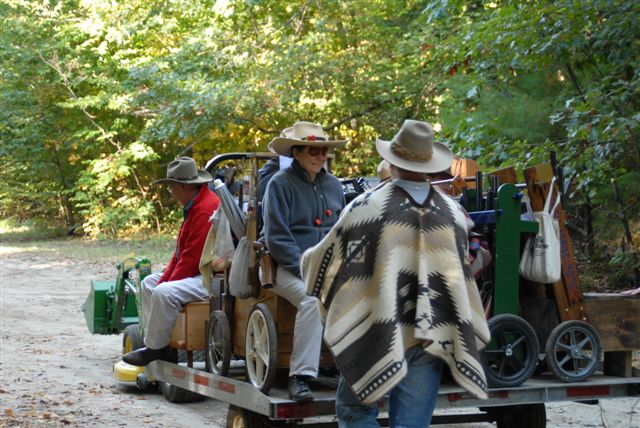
(509, 228)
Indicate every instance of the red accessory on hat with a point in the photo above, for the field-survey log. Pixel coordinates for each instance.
(317, 222)
(328, 212)
(311, 138)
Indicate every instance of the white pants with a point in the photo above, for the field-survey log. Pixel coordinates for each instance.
(161, 305)
(307, 331)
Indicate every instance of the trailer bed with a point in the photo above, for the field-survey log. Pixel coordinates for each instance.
(277, 406)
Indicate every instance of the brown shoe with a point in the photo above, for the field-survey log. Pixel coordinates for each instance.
(143, 356)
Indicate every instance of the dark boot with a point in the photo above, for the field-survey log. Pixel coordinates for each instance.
(298, 389)
(143, 356)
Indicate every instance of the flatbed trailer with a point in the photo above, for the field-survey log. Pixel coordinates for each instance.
(522, 406)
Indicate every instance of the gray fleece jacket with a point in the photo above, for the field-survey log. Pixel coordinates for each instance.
(298, 213)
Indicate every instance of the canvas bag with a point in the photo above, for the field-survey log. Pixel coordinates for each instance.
(223, 245)
(541, 260)
(239, 274)
(218, 249)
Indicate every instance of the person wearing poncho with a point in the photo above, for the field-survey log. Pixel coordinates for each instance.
(395, 279)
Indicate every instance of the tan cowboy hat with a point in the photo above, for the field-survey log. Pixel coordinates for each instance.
(302, 134)
(414, 149)
(184, 171)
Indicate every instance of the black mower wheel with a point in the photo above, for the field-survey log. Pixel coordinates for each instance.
(512, 355)
(243, 418)
(218, 344)
(175, 394)
(132, 339)
(520, 416)
(573, 351)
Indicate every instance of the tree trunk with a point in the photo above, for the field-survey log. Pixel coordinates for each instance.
(627, 233)
(588, 224)
(67, 206)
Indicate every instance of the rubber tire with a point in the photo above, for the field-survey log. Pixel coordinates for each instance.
(261, 318)
(551, 356)
(175, 394)
(521, 416)
(132, 339)
(218, 352)
(198, 356)
(525, 338)
(243, 418)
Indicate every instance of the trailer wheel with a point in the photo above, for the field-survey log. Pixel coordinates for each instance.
(573, 350)
(243, 418)
(132, 339)
(218, 344)
(261, 348)
(512, 355)
(521, 416)
(175, 394)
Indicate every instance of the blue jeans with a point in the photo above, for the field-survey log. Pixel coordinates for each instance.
(411, 402)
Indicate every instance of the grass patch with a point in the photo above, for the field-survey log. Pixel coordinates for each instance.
(30, 230)
(36, 239)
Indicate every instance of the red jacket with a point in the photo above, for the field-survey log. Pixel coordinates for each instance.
(193, 233)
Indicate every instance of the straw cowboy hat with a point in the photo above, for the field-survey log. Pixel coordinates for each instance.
(414, 149)
(184, 171)
(302, 134)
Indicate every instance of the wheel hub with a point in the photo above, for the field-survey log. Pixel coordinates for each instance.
(576, 352)
(508, 351)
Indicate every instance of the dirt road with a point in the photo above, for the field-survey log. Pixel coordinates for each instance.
(53, 372)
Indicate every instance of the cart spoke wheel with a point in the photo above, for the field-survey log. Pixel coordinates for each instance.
(564, 347)
(573, 350)
(218, 344)
(564, 360)
(261, 348)
(518, 341)
(512, 355)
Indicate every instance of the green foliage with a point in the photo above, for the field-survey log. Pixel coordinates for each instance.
(98, 96)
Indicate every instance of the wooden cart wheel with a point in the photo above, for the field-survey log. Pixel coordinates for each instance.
(512, 355)
(261, 348)
(573, 351)
(218, 344)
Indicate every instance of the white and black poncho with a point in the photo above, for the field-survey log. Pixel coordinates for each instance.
(393, 273)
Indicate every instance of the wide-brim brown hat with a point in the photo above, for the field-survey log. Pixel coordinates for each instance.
(184, 171)
(302, 134)
(413, 148)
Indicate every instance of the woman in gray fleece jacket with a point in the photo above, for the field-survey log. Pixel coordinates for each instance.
(301, 204)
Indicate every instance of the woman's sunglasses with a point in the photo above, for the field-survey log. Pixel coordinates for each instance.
(317, 151)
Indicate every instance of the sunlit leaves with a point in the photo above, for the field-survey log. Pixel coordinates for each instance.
(118, 89)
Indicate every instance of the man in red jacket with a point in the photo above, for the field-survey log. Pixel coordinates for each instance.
(163, 295)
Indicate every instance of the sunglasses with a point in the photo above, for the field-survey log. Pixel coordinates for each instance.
(317, 151)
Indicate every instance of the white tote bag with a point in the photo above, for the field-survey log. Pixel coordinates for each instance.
(239, 274)
(223, 248)
(541, 260)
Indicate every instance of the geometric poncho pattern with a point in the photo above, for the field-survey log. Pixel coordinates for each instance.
(393, 273)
